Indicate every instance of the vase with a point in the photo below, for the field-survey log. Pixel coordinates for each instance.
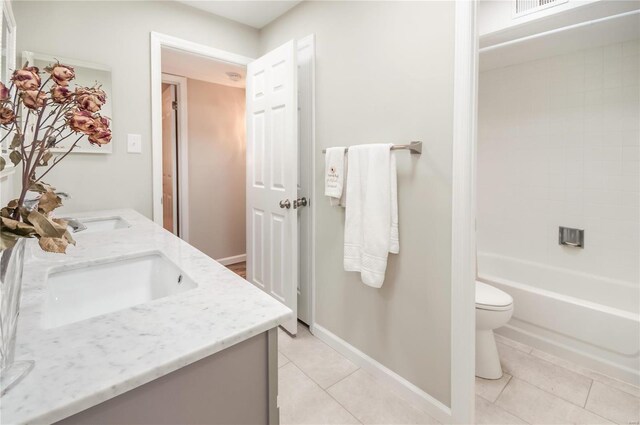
(11, 264)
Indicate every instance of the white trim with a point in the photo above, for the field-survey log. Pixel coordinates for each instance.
(6, 11)
(158, 41)
(558, 30)
(310, 40)
(28, 55)
(232, 260)
(312, 196)
(400, 385)
(183, 152)
(463, 244)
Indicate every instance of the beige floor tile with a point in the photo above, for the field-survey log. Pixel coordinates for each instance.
(316, 359)
(490, 389)
(596, 376)
(489, 413)
(282, 359)
(555, 379)
(536, 406)
(613, 404)
(513, 344)
(372, 402)
(302, 401)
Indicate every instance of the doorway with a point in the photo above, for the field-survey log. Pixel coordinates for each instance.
(171, 153)
(213, 107)
(288, 145)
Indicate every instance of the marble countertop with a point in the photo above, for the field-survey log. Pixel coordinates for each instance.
(82, 364)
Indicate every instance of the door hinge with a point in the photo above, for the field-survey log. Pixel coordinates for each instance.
(174, 105)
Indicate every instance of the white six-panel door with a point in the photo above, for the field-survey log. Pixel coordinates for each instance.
(272, 166)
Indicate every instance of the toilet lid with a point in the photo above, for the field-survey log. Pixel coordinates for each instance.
(491, 298)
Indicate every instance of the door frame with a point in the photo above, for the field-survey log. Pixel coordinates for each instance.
(158, 41)
(463, 216)
(182, 160)
(310, 42)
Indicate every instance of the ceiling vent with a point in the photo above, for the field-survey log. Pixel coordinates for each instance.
(526, 7)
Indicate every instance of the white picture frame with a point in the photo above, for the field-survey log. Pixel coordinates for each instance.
(87, 74)
(7, 65)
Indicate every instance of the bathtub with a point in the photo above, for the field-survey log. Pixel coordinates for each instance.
(590, 320)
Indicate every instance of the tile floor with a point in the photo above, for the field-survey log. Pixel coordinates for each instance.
(539, 388)
(320, 386)
(317, 385)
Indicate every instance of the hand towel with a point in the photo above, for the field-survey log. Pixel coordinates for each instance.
(342, 202)
(334, 174)
(371, 218)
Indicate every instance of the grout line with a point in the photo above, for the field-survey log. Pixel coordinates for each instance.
(549, 392)
(621, 387)
(288, 359)
(318, 384)
(504, 407)
(324, 391)
(341, 379)
(327, 392)
(588, 394)
(592, 374)
(503, 388)
(343, 406)
(559, 398)
(555, 365)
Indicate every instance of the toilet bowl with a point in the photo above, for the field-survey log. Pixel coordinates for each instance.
(493, 309)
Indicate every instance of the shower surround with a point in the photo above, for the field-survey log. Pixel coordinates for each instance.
(559, 145)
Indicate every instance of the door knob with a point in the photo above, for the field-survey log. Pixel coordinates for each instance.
(286, 204)
(300, 202)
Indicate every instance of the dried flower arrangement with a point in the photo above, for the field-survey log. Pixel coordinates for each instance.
(54, 112)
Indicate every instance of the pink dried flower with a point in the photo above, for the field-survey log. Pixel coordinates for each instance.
(7, 116)
(61, 74)
(33, 99)
(90, 99)
(82, 122)
(27, 78)
(61, 94)
(4, 92)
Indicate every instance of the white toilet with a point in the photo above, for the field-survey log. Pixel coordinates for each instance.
(493, 309)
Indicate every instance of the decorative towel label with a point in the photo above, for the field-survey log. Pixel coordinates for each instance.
(332, 178)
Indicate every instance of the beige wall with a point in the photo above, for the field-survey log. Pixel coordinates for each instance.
(216, 168)
(384, 72)
(117, 34)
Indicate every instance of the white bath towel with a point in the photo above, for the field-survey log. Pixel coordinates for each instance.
(371, 224)
(334, 174)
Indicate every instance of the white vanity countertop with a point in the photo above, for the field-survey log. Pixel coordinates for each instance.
(82, 364)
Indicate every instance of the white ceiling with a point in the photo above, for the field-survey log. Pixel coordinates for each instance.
(253, 13)
(197, 67)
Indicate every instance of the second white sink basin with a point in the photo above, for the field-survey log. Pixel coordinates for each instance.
(101, 224)
(83, 292)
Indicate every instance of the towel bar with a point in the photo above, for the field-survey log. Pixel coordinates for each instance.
(414, 147)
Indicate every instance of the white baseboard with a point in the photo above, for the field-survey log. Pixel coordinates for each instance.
(232, 260)
(401, 386)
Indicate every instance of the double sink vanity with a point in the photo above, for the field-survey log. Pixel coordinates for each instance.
(134, 325)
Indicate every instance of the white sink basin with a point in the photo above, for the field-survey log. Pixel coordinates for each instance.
(83, 292)
(102, 224)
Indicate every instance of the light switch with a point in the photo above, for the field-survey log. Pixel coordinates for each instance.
(134, 143)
